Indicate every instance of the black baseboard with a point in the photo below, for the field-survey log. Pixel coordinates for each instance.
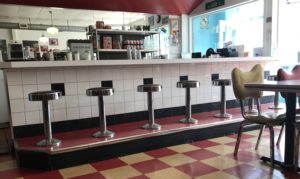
(71, 125)
(44, 161)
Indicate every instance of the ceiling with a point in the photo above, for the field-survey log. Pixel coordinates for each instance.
(72, 17)
(167, 7)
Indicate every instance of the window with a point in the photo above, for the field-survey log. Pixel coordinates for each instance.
(237, 26)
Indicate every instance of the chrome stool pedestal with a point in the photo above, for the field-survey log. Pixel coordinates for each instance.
(222, 83)
(100, 92)
(251, 110)
(188, 84)
(149, 88)
(276, 97)
(46, 96)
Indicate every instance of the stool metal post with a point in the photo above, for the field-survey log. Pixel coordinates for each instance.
(149, 88)
(276, 97)
(188, 84)
(100, 92)
(251, 109)
(188, 108)
(222, 83)
(45, 96)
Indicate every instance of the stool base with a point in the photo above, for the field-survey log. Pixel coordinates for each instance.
(190, 120)
(52, 142)
(251, 112)
(152, 126)
(106, 133)
(225, 115)
(275, 108)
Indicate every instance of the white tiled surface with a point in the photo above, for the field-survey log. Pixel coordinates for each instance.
(125, 79)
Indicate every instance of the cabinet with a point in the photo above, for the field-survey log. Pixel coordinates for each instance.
(147, 41)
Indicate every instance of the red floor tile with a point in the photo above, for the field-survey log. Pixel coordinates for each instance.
(45, 175)
(244, 136)
(196, 169)
(243, 144)
(108, 164)
(89, 176)
(244, 156)
(18, 172)
(201, 154)
(246, 171)
(160, 152)
(150, 166)
(204, 144)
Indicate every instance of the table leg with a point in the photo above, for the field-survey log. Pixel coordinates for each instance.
(289, 130)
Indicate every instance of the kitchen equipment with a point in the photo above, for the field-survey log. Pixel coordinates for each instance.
(129, 55)
(87, 55)
(69, 56)
(59, 56)
(15, 51)
(80, 46)
(76, 56)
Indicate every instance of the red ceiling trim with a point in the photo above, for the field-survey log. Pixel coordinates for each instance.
(170, 7)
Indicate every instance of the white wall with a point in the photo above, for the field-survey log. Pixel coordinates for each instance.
(5, 34)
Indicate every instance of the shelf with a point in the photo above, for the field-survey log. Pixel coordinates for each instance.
(123, 50)
(122, 32)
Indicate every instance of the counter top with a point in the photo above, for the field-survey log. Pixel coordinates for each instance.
(40, 64)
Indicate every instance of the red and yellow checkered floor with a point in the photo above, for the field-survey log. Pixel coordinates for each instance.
(208, 159)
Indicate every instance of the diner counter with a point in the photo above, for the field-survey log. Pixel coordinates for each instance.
(82, 63)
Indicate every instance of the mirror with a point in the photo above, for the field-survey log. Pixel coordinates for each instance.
(27, 24)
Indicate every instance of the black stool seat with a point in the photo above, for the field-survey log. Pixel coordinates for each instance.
(44, 95)
(100, 91)
(149, 88)
(221, 82)
(188, 84)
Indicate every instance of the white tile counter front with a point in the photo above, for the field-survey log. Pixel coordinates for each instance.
(77, 76)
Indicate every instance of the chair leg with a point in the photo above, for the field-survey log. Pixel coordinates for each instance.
(296, 154)
(238, 140)
(271, 145)
(259, 136)
(280, 134)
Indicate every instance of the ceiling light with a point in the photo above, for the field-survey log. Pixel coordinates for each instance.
(43, 39)
(52, 30)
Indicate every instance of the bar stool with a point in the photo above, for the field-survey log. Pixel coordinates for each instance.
(222, 83)
(188, 84)
(149, 88)
(100, 92)
(46, 96)
(276, 97)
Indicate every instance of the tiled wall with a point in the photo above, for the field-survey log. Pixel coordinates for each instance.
(75, 104)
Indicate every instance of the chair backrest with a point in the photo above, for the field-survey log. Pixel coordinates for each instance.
(285, 75)
(239, 78)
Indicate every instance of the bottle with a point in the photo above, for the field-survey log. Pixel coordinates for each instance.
(76, 56)
(129, 55)
(134, 52)
(69, 56)
(87, 55)
(138, 54)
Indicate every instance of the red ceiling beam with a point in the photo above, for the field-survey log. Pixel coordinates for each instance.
(170, 7)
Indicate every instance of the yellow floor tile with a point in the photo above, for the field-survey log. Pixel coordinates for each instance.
(177, 159)
(217, 175)
(254, 132)
(8, 165)
(169, 173)
(77, 171)
(183, 148)
(135, 158)
(121, 172)
(221, 149)
(223, 140)
(221, 162)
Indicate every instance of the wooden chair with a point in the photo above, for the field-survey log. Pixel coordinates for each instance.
(239, 78)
